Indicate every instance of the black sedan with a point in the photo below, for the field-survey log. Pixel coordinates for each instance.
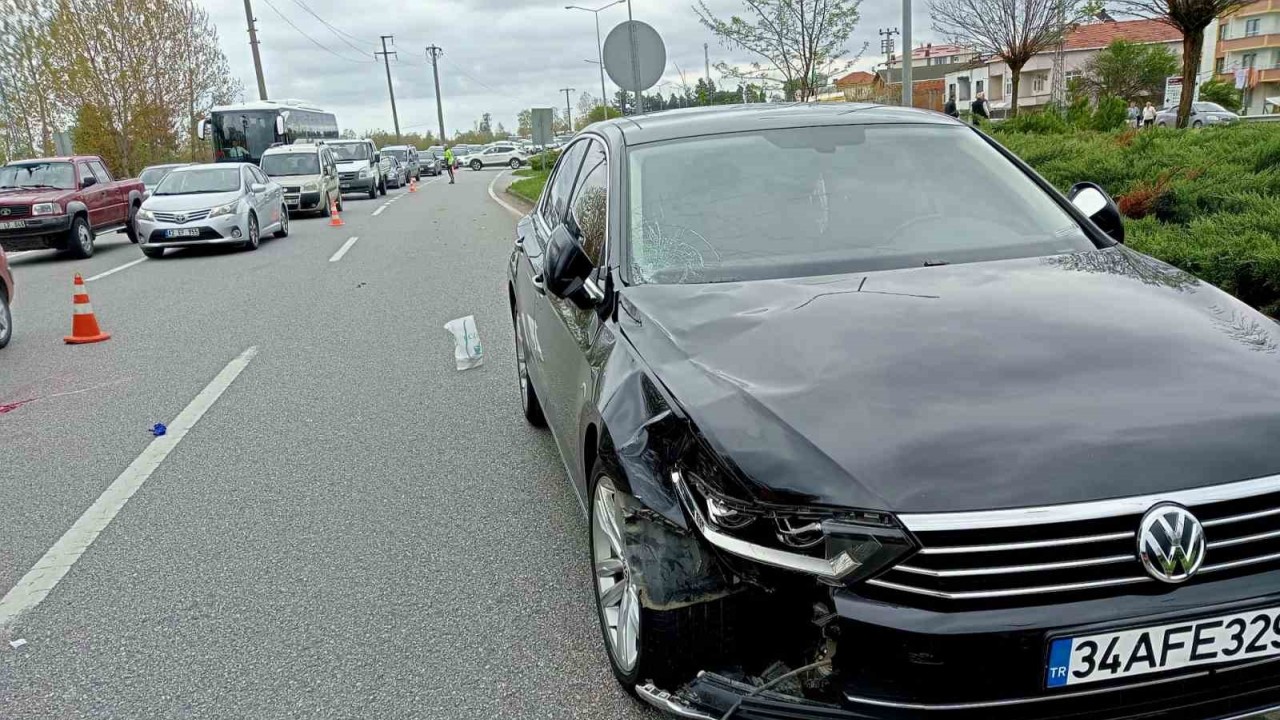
(871, 422)
(429, 163)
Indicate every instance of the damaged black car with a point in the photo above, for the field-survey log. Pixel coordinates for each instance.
(870, 421)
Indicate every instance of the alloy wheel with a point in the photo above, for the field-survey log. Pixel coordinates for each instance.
(284, 222)
(253, 231)
(85, 238)
(618, 597)
(6, 322)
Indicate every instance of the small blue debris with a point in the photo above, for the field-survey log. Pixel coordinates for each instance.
(159, 429)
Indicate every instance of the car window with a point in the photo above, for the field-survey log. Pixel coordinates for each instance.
(290, 163)
(200, 180)
(47, 174)
(590, 204)
(99, 171)
(85, 172)
(556, 198)
(247, 176)
(258, 175)
(821, 200)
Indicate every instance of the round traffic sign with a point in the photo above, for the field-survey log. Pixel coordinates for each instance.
(639, 68)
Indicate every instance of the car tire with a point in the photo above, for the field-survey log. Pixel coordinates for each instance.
(515, 163)
(382, 187)
(255, 236)
(670, 645)
(476, 165)
(327, 206)
(1197, 124)
(373, 190)
(1161, 124)
(284, 223)
(80, 242)
(155, 253)
(131, 224)
(529, 401)
(6, 321)
(341, 208)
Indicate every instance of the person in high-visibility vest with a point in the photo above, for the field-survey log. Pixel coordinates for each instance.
(448, 162)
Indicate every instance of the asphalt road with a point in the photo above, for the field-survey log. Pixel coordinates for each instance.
(353, 529)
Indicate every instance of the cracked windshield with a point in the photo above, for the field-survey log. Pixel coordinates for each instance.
(735, 360)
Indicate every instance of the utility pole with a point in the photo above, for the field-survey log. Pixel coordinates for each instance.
(568, 115)
(706, 59)
(386, 60)
(907, 52)
(434, 52)
(253, 43)
(886, 43)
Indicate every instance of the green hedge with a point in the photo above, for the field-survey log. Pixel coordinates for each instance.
(1207, 200)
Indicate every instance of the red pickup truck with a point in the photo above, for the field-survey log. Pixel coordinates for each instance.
(62, 203)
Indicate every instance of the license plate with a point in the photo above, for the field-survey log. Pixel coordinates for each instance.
(1229, 638)
(13, 224)
(183, 232)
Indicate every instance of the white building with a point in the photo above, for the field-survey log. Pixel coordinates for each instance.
(1248, 40)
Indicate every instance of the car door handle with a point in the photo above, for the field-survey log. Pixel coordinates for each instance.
(539, 285)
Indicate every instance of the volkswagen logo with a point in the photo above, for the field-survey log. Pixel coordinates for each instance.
(5, 211)
(1171, 543)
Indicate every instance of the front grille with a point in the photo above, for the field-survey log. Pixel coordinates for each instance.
(15, 211)
(294, 189)
(991, 558)
(181, 217)
(349, 176)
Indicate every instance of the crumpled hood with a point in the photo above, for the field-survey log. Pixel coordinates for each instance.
(975, 386)
(178, 203)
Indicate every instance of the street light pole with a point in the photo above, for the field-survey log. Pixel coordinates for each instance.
(906, 53)
(604, 100)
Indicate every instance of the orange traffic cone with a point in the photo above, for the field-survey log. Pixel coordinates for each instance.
(335, 220)
(413, 185)
(84, 326)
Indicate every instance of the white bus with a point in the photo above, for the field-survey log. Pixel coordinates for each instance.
(240, 133)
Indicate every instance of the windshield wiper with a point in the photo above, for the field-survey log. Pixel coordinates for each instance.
(935, 263)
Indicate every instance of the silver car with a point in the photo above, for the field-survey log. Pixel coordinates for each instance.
(215, 204)
(1202, 113)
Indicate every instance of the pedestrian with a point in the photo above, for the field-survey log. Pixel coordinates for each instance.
(1149, 115)
(979, 108)
(448, 162)
(1133, 114)
(950, 107)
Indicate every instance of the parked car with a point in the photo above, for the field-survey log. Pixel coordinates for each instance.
(461, 151)
(6, 301)
(1202, 113)
(398, 176)
(63, 203)
(500, 154)
(212, 204)
(430, 163)
(151, 176)
(308, 174)
(408, 156)
(361, 168)
(967, 456)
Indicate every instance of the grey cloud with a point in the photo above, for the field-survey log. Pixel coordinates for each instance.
(500, 55)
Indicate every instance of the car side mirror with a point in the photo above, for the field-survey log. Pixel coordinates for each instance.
(88, 182)
(1098, 206)
(567, 272)
(377, 157)
(257, 188)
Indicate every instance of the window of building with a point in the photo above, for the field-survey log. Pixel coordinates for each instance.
(1251, 27)
(1218, 65)
(1249, 60)
(978, 87)
(1037, 84)
(1224, 30)
(955, 59)
(1008, 86)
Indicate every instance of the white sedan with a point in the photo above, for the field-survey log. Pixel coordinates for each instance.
(502, 154)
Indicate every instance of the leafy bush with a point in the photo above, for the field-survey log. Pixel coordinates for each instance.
(1221, 92)
(544, 160)
(1207, 201)
(1111, 114)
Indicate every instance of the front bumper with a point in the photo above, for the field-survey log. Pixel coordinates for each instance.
(303, 201)
(221, 230)
(354, 185)
(38, 233)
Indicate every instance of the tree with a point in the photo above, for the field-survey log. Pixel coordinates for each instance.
(797, 39)
(524, 123)
(1221, 92)
(28, 108)
(202, 77)
(586, 101)
(1012, 30)
(1129, 70)
(1190, 17)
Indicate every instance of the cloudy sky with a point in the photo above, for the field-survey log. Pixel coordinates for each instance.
(500, 55)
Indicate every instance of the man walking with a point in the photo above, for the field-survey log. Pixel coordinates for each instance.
(979, 108)
(448, 162)
(1133, 115)
(950, 107)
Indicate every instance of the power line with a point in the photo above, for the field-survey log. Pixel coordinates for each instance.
(468, 75)
(315, 42)
(336, 32)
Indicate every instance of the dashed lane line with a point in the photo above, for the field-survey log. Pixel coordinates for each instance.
(115, 270)
(49, 570)
(345, 247)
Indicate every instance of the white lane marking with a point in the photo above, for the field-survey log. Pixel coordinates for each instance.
(345, 247)
(18, 254)
(378, 212)
(115, 270)
(510, 208)
(54, 565)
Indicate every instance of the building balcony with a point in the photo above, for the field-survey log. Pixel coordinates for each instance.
(1257, 8)
(1255, 42)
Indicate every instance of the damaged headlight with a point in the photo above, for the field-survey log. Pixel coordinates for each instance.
(839, 547)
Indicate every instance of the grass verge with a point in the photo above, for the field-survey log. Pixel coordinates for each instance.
(530, 184)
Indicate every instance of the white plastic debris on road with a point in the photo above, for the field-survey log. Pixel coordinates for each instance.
(15, 644)
(467, 351)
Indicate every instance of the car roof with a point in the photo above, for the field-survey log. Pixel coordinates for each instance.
(206, 166)
(60, 158)
(296, 147)
(719, 119)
